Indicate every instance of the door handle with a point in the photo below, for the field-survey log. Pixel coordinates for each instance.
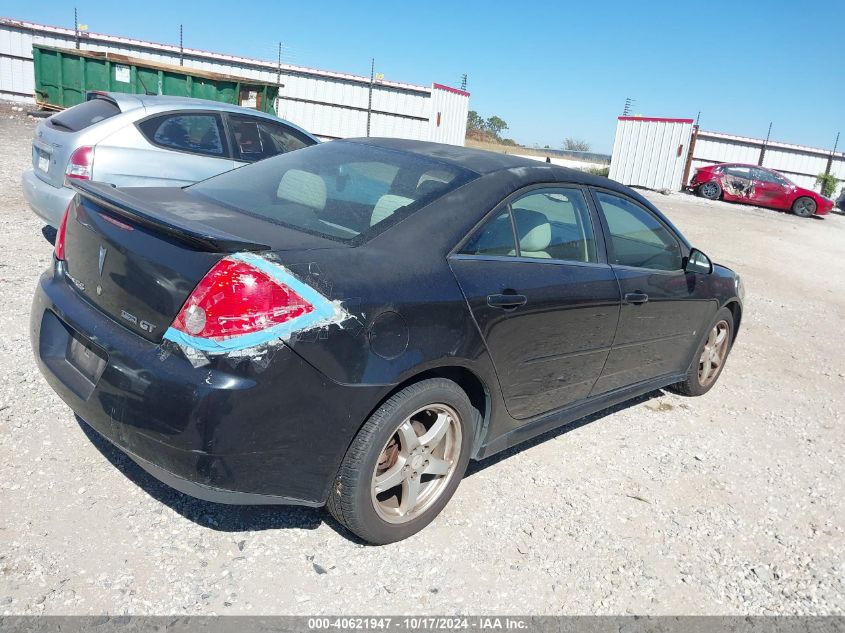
(506, 302)
(636, 298)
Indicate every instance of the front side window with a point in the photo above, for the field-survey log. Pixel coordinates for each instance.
(338, 189)
(195, 133)
(256, 139)
(638, 238)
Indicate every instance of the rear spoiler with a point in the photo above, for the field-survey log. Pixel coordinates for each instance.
(153, 217)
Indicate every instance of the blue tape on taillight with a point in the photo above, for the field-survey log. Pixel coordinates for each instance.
(325, 313)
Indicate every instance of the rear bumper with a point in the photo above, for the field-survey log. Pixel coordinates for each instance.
(48, 202)
(230, 431)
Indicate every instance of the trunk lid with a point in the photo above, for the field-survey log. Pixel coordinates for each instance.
(57, 137)
(137, 254)
(51, 150)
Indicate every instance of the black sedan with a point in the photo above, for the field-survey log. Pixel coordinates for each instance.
(349, 324)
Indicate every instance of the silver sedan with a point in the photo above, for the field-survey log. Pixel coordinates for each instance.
(154, 141)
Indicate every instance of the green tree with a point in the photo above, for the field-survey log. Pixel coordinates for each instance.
(827, 183)
(576, 145)
(495, 126)
(474, 121)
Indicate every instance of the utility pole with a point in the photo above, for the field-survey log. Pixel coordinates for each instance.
(830, 158)
(766, 142)
(279, 79)
(181, 47)
(697, 118)
(279, 67)
(370, 100)
(76, 27)
(464, 82)
(628, 103)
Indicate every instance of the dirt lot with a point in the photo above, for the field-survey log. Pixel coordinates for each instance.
(727, 504)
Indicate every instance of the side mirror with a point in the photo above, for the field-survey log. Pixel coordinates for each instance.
(698, 262)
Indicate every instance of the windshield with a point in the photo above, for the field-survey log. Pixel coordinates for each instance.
(338, 189)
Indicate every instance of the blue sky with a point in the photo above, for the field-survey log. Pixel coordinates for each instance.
(550, 69)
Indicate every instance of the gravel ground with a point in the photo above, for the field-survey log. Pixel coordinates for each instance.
(727, 504)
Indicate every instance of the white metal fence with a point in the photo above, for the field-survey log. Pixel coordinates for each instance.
(328, 104)
(650, 152)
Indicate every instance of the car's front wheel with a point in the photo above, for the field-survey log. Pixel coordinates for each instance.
(710, 190)
(405, 463)
(711, 355)
(804, 207)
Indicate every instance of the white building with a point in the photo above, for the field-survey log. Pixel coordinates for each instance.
(328, 104)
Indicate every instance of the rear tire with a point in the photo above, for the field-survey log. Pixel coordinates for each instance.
(804, 207)
(710, 190)
(405, 463)
(710, 357)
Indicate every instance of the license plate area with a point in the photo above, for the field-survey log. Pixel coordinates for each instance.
(41, 159)
(74, 360)
(88, 359)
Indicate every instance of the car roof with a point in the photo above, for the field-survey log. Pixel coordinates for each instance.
(127, 101)
(160, 103)
(481, 161)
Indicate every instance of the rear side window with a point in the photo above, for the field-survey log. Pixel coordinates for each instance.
(738, 172)
(195, 133)
(84, 115)
(257, 139)
(551, 223)
(494, 238)
(554, 224)
(337, 189)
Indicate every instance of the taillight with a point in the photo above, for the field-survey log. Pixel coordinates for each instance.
(81, 164)
(236, 298)
(59, 250)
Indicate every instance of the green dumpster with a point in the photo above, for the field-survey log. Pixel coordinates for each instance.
(63, 76)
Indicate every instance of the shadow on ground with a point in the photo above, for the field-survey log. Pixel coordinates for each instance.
(234, 518)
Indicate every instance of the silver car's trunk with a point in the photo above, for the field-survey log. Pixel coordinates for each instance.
(59, 136)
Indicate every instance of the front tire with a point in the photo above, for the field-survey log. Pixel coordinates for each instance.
(710, 190)
(405, 463)
(804, 207)
(710, 357)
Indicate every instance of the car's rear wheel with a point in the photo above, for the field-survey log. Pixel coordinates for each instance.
(405, 463)
(804, 207)
(710, 190)
(710, 357)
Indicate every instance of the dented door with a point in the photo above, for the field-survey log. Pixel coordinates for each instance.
(550, 349)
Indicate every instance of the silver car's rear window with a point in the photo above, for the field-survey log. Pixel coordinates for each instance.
(84, 115)
(338, 190)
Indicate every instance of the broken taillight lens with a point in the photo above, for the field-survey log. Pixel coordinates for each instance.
(237, 298)
(81, 164)
(59, 250)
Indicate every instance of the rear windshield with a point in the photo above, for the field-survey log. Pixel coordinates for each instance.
(84, 115)
(337, 189)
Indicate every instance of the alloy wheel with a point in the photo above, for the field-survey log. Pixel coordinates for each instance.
(714, 353)
(805, 207)
(709, 190)
(417, 463)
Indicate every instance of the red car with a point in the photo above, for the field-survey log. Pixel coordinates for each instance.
(759, 186)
